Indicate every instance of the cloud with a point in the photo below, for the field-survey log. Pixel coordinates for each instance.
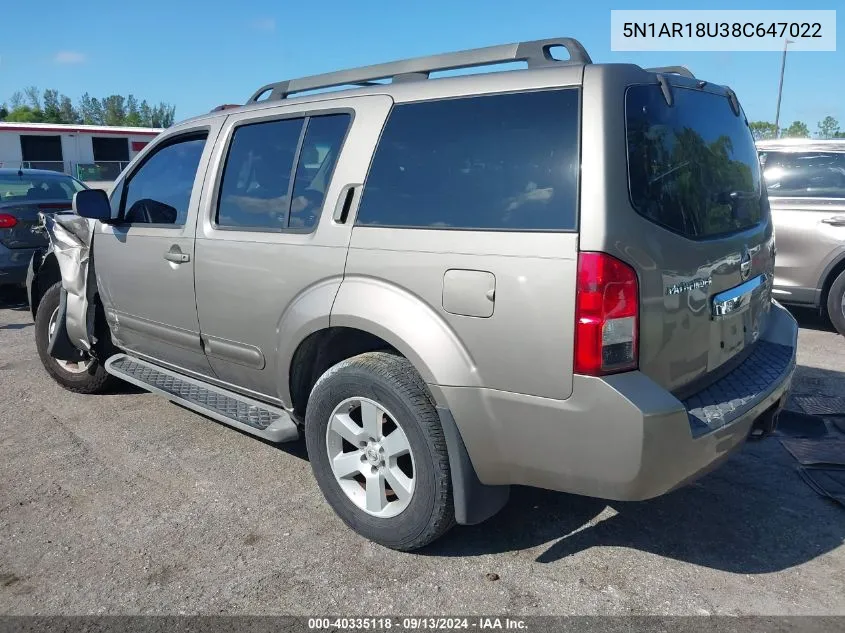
(268, 25)
(70, 57)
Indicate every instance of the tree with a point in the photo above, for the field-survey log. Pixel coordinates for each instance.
(68, 112)
(33, 96)
(32, 106)
(25, 114)
(90, 110)
(162, 115)
(114, 110)
(762, 130)
(133, 117)
(798, 129)
(828, 127)
(52, 113)
(146, 114)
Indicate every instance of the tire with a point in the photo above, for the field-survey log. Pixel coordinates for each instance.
(93, 378)
(390, 383)
(836, 303)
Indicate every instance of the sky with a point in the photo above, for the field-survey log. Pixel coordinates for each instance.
(200, 55)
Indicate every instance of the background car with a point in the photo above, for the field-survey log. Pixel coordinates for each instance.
(23, 193)
(806, 184)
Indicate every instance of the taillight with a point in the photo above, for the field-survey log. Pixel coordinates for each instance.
(606, 315)
(7, 221)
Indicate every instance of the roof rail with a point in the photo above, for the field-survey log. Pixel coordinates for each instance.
(673, 70)
(537, 53)
(226, 106)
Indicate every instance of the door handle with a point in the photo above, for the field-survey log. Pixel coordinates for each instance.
(176, 256)
(344, 202)
(837, 220)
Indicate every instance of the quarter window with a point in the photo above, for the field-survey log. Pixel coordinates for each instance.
(260, 188)
(497, 162)
(320, 149)
(160, 191)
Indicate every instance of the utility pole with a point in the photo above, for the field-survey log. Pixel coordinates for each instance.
(780, 87)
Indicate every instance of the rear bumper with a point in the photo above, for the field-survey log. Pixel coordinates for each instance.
(624, 437)
(14, 263)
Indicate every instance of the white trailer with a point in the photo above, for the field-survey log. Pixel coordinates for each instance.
(92, 153)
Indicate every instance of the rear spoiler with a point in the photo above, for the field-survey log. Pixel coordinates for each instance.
(672, 70)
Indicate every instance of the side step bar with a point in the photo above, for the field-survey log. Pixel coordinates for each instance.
(246, 414)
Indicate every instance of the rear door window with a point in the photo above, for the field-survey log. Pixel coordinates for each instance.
(256, 179)
(804, 174)
(261, 190)
(500, 162)
(692, 166)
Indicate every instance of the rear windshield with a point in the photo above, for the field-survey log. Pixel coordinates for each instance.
(804, 174)
(692, 166)
(26, 187)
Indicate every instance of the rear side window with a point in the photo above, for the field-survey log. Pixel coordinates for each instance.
(260, 188)
(692, 166)
(804, 174)
(501, 162)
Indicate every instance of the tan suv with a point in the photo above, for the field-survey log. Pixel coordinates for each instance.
(806, 185)
(556, 277)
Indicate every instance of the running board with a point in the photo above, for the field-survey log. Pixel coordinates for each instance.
(246, 414)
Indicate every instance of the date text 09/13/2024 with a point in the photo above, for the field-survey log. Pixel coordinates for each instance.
(416, 623)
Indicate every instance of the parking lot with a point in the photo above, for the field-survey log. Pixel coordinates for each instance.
(126, 503)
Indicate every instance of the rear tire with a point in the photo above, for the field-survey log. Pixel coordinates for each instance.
(836, 303)
(412, 510)
(83, 378)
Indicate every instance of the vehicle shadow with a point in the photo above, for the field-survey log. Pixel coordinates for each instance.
(811, 319)
(15, 326)
(13, 298)
(754, 515)
(295, 448)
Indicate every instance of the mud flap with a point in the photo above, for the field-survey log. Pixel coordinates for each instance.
(474, 502)
(31, 275)
(60, 346)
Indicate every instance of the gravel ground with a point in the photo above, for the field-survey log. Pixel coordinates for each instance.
(128, 504)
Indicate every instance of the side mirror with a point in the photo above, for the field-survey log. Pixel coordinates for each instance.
(92, 203)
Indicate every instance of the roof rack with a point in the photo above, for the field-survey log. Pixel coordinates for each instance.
(673, 70)
(537, 54)
(226, 106)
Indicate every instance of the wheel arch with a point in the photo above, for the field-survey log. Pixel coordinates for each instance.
(409, 324)
(833, 270)
(370, 315)
(362, 314)
(45, 274)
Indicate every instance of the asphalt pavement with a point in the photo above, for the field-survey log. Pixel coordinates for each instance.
(127, 504)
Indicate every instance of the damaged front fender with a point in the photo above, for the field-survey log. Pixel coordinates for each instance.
(71, 238)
